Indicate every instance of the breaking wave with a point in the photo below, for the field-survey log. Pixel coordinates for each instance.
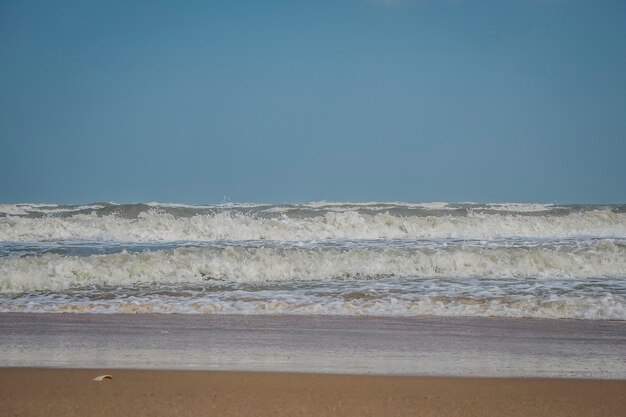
(153, 225)
(377, 258)
(250, 265)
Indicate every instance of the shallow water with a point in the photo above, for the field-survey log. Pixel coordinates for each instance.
(460, 346)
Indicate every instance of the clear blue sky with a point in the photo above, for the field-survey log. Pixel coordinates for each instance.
(287, 101)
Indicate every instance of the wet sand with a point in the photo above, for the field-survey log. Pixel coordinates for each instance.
(327, 344)
(58, 392)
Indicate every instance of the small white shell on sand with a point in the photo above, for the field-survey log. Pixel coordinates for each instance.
(101, 377)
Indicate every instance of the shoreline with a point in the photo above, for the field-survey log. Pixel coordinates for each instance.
(418, 346)
(72, 392)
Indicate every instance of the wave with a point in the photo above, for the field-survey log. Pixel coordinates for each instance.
(547, 298)
(254, 265)
(179, 209)
(153, 225)
(26, 208)
(607, 307)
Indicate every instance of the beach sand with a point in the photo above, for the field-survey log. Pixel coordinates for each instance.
(72, 392)
(319, 366)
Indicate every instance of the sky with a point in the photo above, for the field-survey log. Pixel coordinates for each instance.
(297, 101)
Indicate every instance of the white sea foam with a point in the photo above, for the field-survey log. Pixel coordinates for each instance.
(269, 264)
(521, 207)
(154, 225)
(439, 301)
(26, 209)
(44, 209)
(13, 210)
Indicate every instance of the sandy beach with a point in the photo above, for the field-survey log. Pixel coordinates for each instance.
(56, 392)
(210, 365)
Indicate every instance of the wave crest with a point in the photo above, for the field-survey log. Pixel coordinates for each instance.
(266, 264)
(153, 225)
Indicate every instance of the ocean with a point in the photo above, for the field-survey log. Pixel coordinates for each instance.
(372, 259)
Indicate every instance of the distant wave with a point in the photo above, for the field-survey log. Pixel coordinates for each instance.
(142, 223)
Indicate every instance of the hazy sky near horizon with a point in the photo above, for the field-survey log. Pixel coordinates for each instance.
(294, 101)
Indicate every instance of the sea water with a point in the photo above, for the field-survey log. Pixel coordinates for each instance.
(383, 259)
